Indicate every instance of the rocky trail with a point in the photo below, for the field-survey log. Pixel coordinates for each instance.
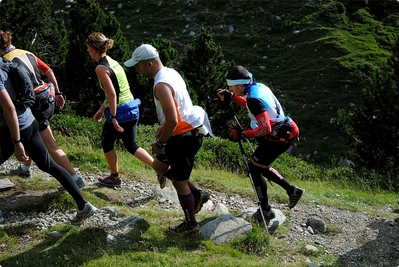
(358, 238)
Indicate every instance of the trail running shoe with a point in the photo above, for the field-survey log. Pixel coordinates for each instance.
(184, 229)
(22, 173)
(83, 214)
(110, 181)
(295, 196)
(162, 180)
(202, 198)
(268, 215)
(80, 183)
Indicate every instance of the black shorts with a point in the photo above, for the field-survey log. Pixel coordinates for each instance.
(43, 112)
(269, 151)
(179, 154)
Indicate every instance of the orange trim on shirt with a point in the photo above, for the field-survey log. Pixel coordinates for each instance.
(182, 126)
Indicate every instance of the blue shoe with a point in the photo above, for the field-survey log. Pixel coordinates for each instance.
(80, 183)
(83, 214)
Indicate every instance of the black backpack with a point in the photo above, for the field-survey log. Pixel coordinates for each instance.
(21, 82)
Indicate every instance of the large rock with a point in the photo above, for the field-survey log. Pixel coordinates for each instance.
(273, 224)
(225, 229)
(5, 183)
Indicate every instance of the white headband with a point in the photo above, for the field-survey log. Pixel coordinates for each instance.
(241, 81)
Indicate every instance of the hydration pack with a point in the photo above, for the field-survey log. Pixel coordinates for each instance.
(21, 83)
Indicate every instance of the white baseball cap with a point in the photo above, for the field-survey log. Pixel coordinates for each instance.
(143, 52)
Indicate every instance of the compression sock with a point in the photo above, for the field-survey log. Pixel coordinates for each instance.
(260, 185)
(193, 189)
(187, 204)
(274, 176)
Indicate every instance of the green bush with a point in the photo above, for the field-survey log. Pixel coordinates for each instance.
(223, 154)
(72, 126)
(215, 152)
(146, 135)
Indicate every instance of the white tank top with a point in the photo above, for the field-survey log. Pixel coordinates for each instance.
(189, 116)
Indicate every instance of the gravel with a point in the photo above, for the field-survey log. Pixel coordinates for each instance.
(360, 239)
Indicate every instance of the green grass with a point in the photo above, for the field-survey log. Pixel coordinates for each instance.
(310, 53)
(311, 73)
(148, 244)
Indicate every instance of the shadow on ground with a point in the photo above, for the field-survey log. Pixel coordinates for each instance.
(382, 251)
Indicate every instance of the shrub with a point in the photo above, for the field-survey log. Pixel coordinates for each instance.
(222, 153)
(71, 125)
(215, 152)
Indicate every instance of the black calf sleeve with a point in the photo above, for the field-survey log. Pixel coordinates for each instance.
(274, 176)
(260, 185)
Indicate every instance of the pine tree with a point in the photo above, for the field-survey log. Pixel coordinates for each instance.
(373, 128)
(205, 70)
(41, 34)
(81, 82)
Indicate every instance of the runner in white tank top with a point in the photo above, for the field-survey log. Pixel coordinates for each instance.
(179, 136)
(189, 116)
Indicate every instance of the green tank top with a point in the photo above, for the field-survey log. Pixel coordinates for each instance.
(119, 81)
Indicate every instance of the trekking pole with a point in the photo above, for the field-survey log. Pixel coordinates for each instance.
(252, 183)
(237, 122)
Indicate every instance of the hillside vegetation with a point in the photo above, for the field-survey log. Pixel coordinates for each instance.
(313, 54)
(317, 56)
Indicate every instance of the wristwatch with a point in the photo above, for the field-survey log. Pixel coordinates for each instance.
(15, 141)
(160, 145)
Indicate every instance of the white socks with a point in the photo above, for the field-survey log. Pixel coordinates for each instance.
(24, 168)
